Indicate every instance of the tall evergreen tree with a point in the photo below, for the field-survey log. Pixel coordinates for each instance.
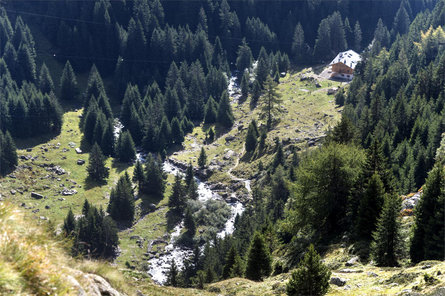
(370, 207)
(173, 274)
(210, 111)
(46, 84)
(251, 137)
(202, 159)
(125, 148)
(154, 181)
(96, 166)
(121, 205)
(423, 242)
(224, 115)
(270, 104)
(299, 47)
(68, 84)
(258, 259)
(176, 201)
(233, 264)
(69, 224)
(8, 153)
(357, 37)
(245, 87)
(244, 59)
(387, 241)
(138, 174)
(177, 132)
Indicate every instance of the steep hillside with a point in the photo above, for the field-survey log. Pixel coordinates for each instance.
(308, 112)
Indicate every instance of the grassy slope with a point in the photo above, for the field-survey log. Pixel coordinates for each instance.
(303, 104)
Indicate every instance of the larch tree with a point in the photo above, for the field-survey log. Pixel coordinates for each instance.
(270, 103)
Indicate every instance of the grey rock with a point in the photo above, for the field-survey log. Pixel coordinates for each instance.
(337, 281)
(47, 207)
(13, 192)
(230, 138)
(373, 274)
(353, 261)
(349, 270)
(80, 161)
(68, 192)
(36, 195)
(78, 150)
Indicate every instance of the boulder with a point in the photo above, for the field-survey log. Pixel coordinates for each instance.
(78, 150)
(230, 138)
(80, 161)
(13, 192)
(229, 154)
(337, 281)
(68, 191)
(350, 270)
(36, 195)
(100, 286)
(353, 261)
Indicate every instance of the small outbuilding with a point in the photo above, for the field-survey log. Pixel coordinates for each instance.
(343, 65)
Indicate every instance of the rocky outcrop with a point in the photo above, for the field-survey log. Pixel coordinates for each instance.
(90, 284)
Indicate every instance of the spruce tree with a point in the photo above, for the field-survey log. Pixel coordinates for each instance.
(244, 59)
(357, 37)
(189, 224)
(424, 241)
(177, 132)
(263, 68)
(210, 112)
(107, 144)
(189, 174)
(68, 84)
(311, 277)
(224, 115)
(256, 91)
(233, 264)
(154, 180)
(299, 47)
(96, 166)
(202, 160)
(173, 274)
(125, 148)
(192, 190)
(176, 201)
(279, 158)
(370, 207)
(387, 241)
(8, 153)
(121, 205)
(251, 137)
(258, 259)
(245, 85)
(69, 224)
(138, 174)
(211, 135)
(46, 84)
